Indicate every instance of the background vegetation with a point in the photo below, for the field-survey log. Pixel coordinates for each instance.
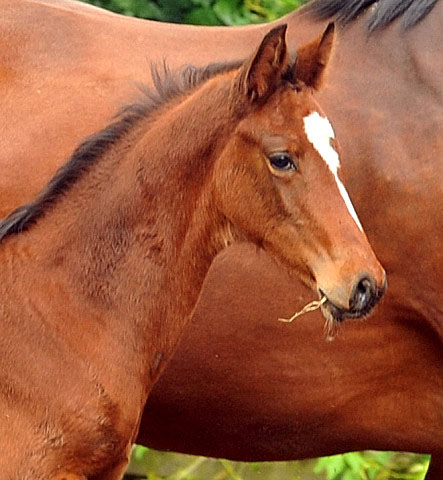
(203, 12)
(370, 465)
(152, 465)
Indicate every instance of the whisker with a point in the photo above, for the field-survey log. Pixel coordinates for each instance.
(331, 325)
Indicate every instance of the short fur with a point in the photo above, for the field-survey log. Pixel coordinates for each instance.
(384, 103)
(96, 295)
(167, 86)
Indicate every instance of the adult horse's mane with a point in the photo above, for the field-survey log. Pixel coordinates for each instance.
(167, 85)
(382, 13)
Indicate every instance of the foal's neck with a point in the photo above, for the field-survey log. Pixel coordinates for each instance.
(135, 236)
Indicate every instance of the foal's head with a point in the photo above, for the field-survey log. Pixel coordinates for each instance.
(278, 177)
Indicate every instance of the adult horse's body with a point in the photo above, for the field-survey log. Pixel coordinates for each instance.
(379, 384)
(104, 268)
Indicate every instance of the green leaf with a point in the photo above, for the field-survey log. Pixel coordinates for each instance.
(351, 475)
(334, 467)
(139, 452)
(226, 11)
(202, 16)
(354, 460)
(382, 457)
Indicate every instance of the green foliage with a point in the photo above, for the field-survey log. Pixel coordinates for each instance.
(203, 12)
(369, 465)
(373, 466)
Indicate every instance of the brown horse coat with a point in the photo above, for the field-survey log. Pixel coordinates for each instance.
(378, 384)
(103, 269)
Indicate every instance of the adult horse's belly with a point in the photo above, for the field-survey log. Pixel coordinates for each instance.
(245, 386)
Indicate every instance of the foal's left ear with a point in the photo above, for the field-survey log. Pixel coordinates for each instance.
(312, 59)
(260, 76)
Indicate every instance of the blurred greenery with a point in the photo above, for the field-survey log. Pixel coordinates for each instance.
(153, 465)
(370, 465)
(203, 12)
(373, 466)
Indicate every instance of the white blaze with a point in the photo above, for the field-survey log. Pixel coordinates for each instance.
(320, 132)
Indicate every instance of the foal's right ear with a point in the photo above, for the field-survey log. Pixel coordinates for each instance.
(262, 73)
(312, 59)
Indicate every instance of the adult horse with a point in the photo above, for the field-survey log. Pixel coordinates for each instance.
(103, 269)
(230, 390)
(378, 385)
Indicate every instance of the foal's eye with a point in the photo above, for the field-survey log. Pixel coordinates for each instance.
(282, 161)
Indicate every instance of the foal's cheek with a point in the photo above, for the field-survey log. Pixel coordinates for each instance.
(290, 193)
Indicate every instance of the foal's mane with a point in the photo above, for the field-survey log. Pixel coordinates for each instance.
(383, 12)
(167, 85)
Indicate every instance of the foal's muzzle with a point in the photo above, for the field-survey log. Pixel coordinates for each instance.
(365, 295)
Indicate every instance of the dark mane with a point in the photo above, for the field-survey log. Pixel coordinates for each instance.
(382, 12)
(167, 86)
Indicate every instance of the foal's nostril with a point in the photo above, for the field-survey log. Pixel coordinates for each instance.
(363, 296)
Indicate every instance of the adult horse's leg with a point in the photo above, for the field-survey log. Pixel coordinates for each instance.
(435, 470)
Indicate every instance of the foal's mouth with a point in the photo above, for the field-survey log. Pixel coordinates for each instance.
(337, 314)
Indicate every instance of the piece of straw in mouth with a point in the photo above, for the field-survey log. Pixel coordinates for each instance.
(310, 307)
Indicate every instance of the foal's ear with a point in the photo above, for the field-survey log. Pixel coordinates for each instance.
(262, 73)
(313, 58)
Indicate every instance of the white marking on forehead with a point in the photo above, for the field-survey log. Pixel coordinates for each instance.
(320, 132)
